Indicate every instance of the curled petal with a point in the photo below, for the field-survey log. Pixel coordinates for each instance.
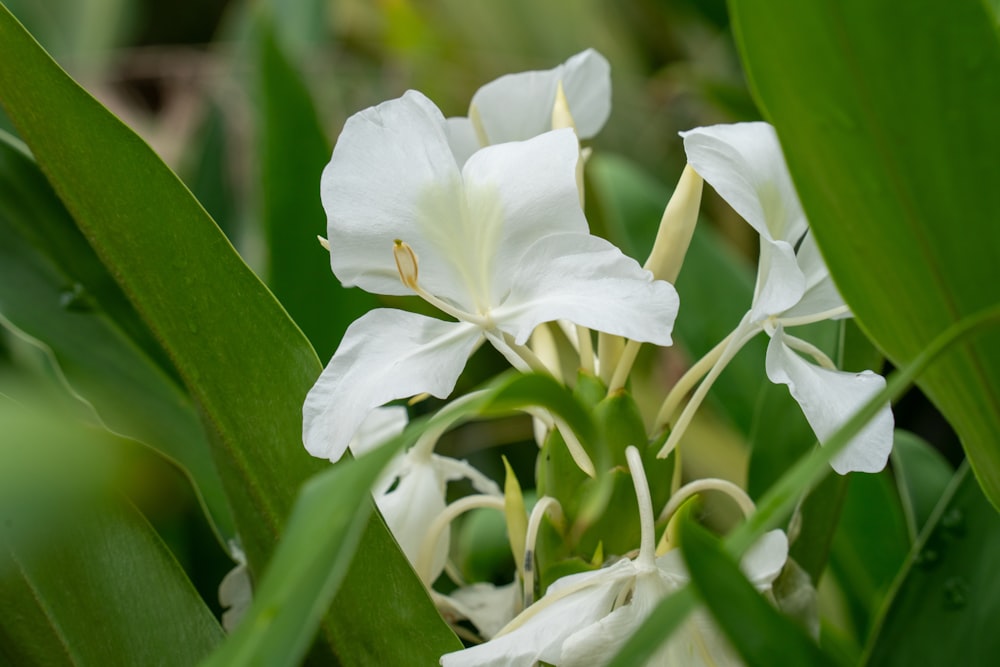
(828, 398)
(385, 355)
(780, 282)
(519, 106)
(412, 506)
(588, 281)
(744, 163)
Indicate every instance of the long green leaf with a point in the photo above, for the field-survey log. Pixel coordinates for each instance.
(243, 360)
(892, 142)
(54, 290)
(84, 579)
(946, 603)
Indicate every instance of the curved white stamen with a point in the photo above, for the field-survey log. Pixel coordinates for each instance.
(808, 348)
(818, 317)
(545, 505)
(646, 559)
(425, 557)
(708, 484)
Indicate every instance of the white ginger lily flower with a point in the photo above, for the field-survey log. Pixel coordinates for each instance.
(410, 492)
(745, 165)
(585, 618)
(519, 106)
(503, 246)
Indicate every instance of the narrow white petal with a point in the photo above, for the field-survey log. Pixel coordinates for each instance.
(519, 106)
(385, 355)
(780, 282)
(588, 281)
(821, 295)
(392, 176)
(828, 398)
(452, 469)
(744, 163)
(515, 194)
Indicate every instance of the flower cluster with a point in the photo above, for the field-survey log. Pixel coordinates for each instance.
(482, 217)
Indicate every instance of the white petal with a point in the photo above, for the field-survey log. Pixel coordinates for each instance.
(519, 106)
(588, 281)
(828, 398)
(547, 623)
(381, 425)
(411, 507)
(763, 562)
(392, 176)
(597, 643)
(821, 295)
(488, 607)
(452, 469)
(462, 139)
(744, 163)
(385, 355)
(780, 282)
(515, 193)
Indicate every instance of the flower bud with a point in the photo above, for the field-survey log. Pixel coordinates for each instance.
(676, 227)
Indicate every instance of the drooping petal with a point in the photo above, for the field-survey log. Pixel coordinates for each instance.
(519, 106)
(821, 295)
(516, 194)
(828, 398)
(588, 281)
(412, 506)
(744, 163)
(392, 176)
(385, 355)
(570, 603)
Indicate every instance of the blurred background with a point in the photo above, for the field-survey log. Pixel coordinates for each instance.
(244, 100)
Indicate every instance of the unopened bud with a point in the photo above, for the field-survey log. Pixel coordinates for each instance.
(561, 115)
(676, 227)
(406, 263)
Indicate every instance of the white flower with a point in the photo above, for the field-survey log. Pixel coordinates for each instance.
(519, 106)
(744, 163)
(500, 244)
(584, 619)
(410, 492)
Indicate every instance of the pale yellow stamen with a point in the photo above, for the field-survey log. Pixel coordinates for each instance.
(323, 242)
(406, 263)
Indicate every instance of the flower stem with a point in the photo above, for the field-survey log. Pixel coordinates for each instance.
(624, 366)
(688, 381)
(586, 348)
(708, 484)
(545, 505)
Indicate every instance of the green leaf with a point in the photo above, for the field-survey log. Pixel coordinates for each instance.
(72, 551)
(922, 475)
(869, 546)
(246, 364)
(758, 631)
(890, 141)
(631, 203)
(946, 603)
(55, 291)
(293, 152)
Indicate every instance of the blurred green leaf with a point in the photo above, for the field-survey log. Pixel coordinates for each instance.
(72, 551)
(54, 289)
(869, 546)
(922, 475)
(890, 141)
(758, 631)
(714, 285)
(293, 152)
(945, 606)
(243, 360)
